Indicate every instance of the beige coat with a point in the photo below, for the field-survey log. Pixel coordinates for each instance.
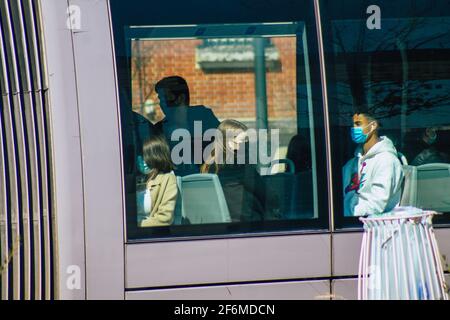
(163, 192)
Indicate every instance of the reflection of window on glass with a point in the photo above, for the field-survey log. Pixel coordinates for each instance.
(159, 199)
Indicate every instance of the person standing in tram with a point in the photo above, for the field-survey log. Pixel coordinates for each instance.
(373, 178)
(174, 96)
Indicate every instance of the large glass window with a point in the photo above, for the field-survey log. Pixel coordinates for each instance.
(222, 120)
(388, 72)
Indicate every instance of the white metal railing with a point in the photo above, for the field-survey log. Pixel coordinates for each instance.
(400, 258)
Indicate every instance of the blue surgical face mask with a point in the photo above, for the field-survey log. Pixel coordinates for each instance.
(142, 165)
(358, 135)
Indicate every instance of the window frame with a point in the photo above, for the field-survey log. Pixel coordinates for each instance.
(357, 11)
(124, 16)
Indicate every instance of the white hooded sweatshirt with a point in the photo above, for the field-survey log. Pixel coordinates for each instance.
(373, 182)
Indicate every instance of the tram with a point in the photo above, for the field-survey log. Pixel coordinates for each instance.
(78, 79)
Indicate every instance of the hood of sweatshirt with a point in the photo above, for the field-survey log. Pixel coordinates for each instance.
(385, 145)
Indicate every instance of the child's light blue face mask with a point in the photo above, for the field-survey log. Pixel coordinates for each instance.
(142, 165)
(358, 135)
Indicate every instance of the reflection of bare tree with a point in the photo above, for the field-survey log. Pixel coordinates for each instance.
(140, 60)
(364, 57)
(419, 96)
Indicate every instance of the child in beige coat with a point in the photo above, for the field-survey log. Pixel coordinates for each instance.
(162, 189)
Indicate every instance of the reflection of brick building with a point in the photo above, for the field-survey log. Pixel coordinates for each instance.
(230, 93)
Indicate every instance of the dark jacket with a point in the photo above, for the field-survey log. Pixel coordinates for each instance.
(244, 200)
(430, 155)
(245, 194)
(186, 118)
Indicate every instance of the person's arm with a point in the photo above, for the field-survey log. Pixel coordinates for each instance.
(374, 198)
(164, 214)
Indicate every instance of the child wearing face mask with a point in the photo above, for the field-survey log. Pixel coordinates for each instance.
(373, 178)
(161, 194)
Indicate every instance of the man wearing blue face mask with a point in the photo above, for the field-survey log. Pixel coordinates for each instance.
(174, 99)
(373, 178)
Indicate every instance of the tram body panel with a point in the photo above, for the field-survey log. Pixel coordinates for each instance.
(346, 249)
(227, 261)
(344, 289)
(67, 152)
(90, 201)
(442, 237)
(301, 290)
(101, 150)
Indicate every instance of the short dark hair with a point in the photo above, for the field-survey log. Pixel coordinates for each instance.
(156, 154)
(176, 85)
(370, 116)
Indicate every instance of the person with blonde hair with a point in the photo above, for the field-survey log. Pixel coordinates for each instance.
(162, 191)
(241, 183)
(231, 137)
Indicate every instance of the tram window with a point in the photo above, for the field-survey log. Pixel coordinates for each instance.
(236, 110)
(397, 69)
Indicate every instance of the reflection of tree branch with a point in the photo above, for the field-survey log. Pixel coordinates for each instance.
(362, 36)
(373, 85)
(390, 105)
(341, 102)
(429, 40)
(394, 35)
(413, 95)
(340, 41)
(141, 58)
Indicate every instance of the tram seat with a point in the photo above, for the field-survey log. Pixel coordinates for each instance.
(178, 216)
(294, 193)
(409, 186)
(427, 186)
(302, 202)
(201, 200)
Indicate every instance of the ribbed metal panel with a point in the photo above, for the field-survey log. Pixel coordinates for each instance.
(28, 231)
(45, 136)
(38, 74)
(4, 243)
(4, 247)
(17, 256)
(14, 248)
(29, 112)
